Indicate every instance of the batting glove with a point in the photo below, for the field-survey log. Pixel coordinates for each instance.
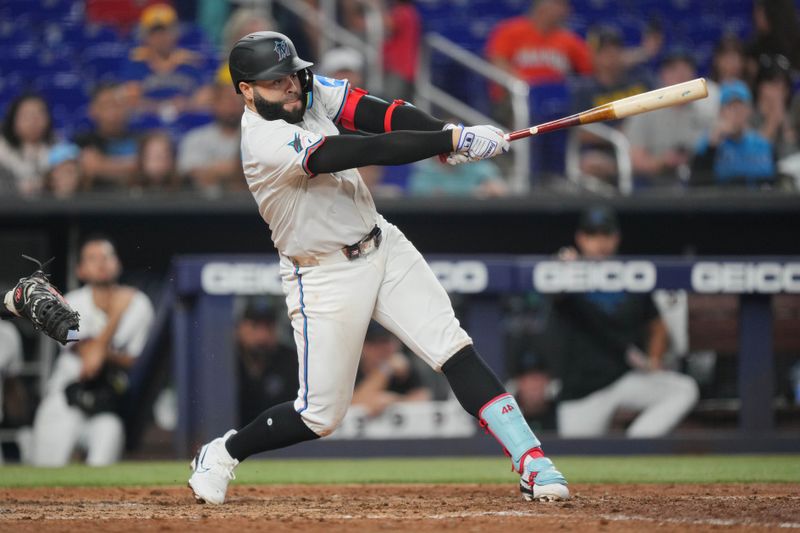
(453, 158)
(481, 142)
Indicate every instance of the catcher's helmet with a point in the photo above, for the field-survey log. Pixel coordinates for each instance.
(267, 55)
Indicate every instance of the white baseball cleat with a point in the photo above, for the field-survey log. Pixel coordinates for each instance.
(541, 481)
(212, 470)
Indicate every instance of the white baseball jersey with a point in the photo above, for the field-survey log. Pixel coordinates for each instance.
(10, 357)
(307, 216)
(129, 338)
(331, 303)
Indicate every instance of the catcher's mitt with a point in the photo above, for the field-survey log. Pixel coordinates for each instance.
(41, 303)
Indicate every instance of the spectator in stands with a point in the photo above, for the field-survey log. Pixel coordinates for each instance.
(650, 46)
(609, 349)
(161, 78)
(64, 179)
(403, 33)
(108, 149)
(268, 372)
(242, 22)
(777, 32)
(79, 409)
(433, 177)
(25, 144)
(305, 34)
(732, 153)
(537, 47)
(773, 95)
(343, 63)
(156, 169)
(385, 374)
(662, 141)
(13, 396)
(211, 155)
(121, 14)
(611, 80)
(727, 64)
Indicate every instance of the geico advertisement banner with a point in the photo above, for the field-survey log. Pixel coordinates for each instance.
(707, 277)
(241, 278)
(475, 276)
(463, 277)
(739, 278)
(602, 276)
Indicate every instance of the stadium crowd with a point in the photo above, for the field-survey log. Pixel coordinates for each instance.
(135, 97)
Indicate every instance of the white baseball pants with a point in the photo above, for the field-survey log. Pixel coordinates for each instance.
(662, 397)
(330, 306)
(59, 428)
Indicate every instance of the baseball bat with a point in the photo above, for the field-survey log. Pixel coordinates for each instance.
(677, 94)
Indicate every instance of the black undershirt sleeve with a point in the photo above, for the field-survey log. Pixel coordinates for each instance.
(341, 152)
(370, 113)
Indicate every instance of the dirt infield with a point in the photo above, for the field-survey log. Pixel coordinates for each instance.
(418, 508)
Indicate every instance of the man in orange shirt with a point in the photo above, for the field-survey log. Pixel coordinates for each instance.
(537, 47)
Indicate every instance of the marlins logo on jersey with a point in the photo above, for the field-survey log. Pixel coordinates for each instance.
(282, 49)
(296, 143)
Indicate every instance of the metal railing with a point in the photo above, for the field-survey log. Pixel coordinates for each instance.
(332, 33)
(621, 146)
(427, 95)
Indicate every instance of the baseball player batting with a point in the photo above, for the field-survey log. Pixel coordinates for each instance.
(342, 264)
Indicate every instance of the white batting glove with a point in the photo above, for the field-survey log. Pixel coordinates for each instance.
(481, 142)
(456, 159)
(453, 158)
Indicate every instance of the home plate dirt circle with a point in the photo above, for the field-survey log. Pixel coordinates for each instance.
(417, 508)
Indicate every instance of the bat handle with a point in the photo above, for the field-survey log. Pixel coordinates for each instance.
(521, 134)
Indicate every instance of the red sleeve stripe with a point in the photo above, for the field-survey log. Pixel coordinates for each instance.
(310, 150)
(387, 118)
(348, 115)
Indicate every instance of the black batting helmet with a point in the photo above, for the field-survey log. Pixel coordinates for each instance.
(267, 55)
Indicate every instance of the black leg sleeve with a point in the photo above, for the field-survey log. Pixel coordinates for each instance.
(471, 379)
(277, 427)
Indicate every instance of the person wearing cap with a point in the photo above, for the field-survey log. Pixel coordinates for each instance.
(608, 350)
(108, 148)
(64, 178)
(661, 142)
(732, 153)
(385, 375)
(210, 155)
(160, 77)
(267, 368)
(611, 80)
(343, 63)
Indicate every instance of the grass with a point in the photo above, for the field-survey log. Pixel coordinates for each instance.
(636, 469)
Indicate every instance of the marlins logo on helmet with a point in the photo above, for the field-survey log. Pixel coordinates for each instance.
(282, 50)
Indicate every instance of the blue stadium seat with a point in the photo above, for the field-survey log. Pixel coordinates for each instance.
(105, 60)
(190, 121)
(144, 122)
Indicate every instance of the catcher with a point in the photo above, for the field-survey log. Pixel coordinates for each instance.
(35, 299)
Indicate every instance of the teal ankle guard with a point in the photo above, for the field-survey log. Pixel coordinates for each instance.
(502, 418)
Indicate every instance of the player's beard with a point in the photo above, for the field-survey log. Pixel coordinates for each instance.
(275, 111)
